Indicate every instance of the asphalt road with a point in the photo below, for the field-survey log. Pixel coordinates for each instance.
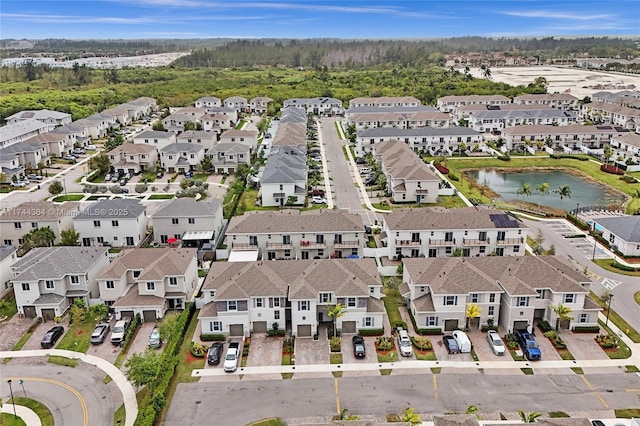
(226, 403)
(346, 193)
(621, 286)
(72, 394)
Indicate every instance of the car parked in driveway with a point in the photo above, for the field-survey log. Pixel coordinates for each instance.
(451, 344)
(19, 184)
(358, 347)
(318, 200)
(462, 340)
(51, 337)
(100, 333)
(34, 177)
(496, 343)
(154, 338)
(404, 343)
(120, 330)
(215, 353)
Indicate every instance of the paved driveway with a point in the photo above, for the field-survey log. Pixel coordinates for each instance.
(12, 330)
(264, 350)
(41, 330)
(347, 350)
(309, 351)
(106, 350)
(583, 345)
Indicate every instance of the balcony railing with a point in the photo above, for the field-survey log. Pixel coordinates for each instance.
(510, 241)
(244, 246)
(279, 246)
(444, 243)
(346, 244)
(472, 242)
(312, 245)
(408, 243)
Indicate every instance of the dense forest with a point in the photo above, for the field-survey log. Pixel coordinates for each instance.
(359, 54)
(82, 91)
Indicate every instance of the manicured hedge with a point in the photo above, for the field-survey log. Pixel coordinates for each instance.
(208, 337)
(586, 329)
(545, 326)
(610, 168)
(371, 331)
(429, 331)
(273, 333)
(397, 324)
(569, 156)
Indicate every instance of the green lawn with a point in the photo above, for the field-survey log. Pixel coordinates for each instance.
(8, 309)
(248, 202)
(588, 168)
(618, 320)
(68, 197)
(627, 413)
(150, 177)
(120, 413)
(39, 408)
(335, 358)
(60, 360)
(275, 421)
(392, 300)
(425, 355)
(606, 264)
(623, 351)
(161, 196)
(7, 419)
(391, 356)
(77, 338)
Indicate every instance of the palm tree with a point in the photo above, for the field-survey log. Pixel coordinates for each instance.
(486, 71)
(543, 188)
(607, 151)
(562, 312)
(473, 311)
(525, 189)
(411, 417)
(529, 417)
(563, 191)
(334, 313)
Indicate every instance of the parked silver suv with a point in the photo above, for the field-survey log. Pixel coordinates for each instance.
(120, 330)
(404, 343)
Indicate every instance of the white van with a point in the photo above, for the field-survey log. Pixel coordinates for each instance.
(405, 343)
(463, 341)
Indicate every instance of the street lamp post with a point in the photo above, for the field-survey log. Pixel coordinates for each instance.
(577, 209)
(15, 415)
(608, 309)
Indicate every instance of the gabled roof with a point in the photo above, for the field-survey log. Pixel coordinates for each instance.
(239, 133)
(20, 128)
(369, 109)
(546, 96)
(462, 218)
(630, 139)
(236, 99)
(39, 211)
(6, 251)
(133, 148)
(155, 263)
(474, 98)
(196, 134)
(176, 148)
(41, 114)
(208, 99)
(188, 207)
(517, 275)
(292, 220)
(56, 262)
(303, 279)
(118, 208)
(230, 148)
(401, 162)
(154, 134)
(134, 298)
(285, 165)
(571, 129)
(625, 227)
(396, 132)
(46, 138)
(383, 100)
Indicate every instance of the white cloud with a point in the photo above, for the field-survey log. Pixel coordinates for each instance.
(546, 14)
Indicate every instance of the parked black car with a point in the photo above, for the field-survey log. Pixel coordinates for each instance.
(52, 336)
(358, 347)
(100, 333)
(451, 344)
(215, 353)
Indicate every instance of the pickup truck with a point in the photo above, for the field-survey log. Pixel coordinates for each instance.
(233, 355)
(528, 345)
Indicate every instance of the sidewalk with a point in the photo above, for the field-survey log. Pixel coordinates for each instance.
(128, 393)
(26, 414)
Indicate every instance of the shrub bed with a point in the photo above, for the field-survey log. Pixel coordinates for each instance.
(335, 344)
(544, 326)
(422, 343)
(607, 341)
(586, 329)
(569, 156)
(198, 350)
(207, 337)
(397, 324)
(556, 340)
(385, 343)
(273, 333)
(371, 331)
(610, 168)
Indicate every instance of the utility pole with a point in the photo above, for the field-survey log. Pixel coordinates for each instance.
(15, 415)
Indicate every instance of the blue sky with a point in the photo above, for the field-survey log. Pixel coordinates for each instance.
(115, 19)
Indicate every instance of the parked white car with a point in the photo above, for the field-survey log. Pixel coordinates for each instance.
(496, 343)
(91, 147)
(404, 343)
(318, 200)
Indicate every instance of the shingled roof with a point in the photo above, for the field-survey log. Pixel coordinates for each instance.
(292, 220)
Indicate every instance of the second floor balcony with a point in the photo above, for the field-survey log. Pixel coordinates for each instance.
(312, 245)
(244, 246)
(346, 244)
(279, 246)
(442, 243)
(408, 243)
(510, 241)
(469, 242)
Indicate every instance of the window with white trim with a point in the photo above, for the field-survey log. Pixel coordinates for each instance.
(492, 297)
(75, 279)
(450, 300)
(326, 297)
(522, 301)
(351, 302)
(491, 310)
(474, 298)
(258, 302)
(151, 286)
(303, 305)
(232, 305)
(26, 287)
(276, 314)
(49, 285)
(110, 285)
(584, 317)
(431, 321)
(215, 326)
(173, 281)
(368, 322)
(569, 298)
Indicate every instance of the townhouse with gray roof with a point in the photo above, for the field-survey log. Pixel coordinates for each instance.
(44, 115)
(449, 104)
(9, 164)
(511, 292)
(181, 157)
(568, 138)
(189, 221)
(175, 123)
(198, 137)
(561, 101)
(74, 133)
(208, 102)
(418, 117)
(259, 105)
(118, 222)
(432, 140)
(8, 256)
(409, 179)
(627, 151)
(227, 156)
(291, 234)
(468, 232)
(237, 103)
(498, 120)
(149, 281)
(27, 154)
(22, 130)
(321, 106)
(47, 280)
(622, 232)
(616, 115)
(17, 221)
(155, 138)
(385, 101)
(249, 297)
(55, 144)
(133, 158)
(464, 112)
(628, 98)
(284, 178)
(245, 137)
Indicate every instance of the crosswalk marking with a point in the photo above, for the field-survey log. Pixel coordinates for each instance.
(610, 284)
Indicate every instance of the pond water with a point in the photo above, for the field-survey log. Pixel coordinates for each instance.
(584, 192)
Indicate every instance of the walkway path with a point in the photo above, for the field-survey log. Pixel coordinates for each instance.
(128, 393)
(26, 414)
